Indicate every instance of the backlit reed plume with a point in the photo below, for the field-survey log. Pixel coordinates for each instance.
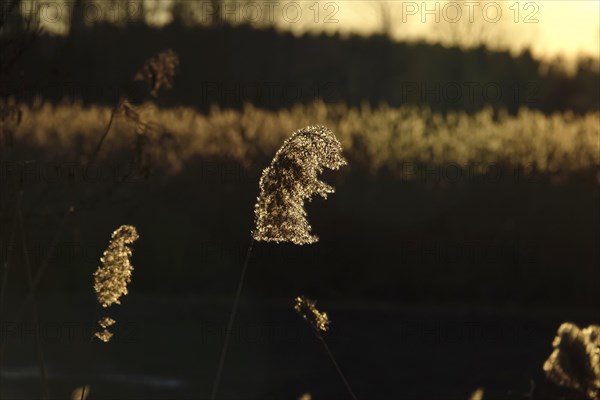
(159, 71)
(319, 322)
(279, 211)
(575, 361)
(291, 179)
(113, 276)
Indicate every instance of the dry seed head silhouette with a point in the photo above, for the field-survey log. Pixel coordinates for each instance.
(159, 71)
(307, 309)
(112, 277)
(291, 179)
(575, 361)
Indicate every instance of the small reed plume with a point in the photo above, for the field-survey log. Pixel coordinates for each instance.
(112, 277)
(575, 361)
(292, 178)
(319, 322)
(308, 311)
(159, 71)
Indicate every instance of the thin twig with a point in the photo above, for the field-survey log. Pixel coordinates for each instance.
(104, 135)
(230, 323)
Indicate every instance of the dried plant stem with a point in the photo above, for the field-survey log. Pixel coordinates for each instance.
(38, 277)
(236, 301)
(104, 135)
(41, 270)
(335, 364)
(34, 309)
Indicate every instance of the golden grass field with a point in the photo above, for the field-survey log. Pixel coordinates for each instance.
(373, 138)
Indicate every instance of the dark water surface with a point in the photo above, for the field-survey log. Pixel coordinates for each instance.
(168, 348)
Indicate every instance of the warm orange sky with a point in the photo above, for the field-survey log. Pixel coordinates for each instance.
(568, 27)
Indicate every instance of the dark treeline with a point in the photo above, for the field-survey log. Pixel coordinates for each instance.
(228, 66)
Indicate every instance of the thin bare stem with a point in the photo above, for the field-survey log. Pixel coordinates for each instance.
(6, 266)
(38, 277)
(236, 301)
(36, 320)
(104, 135)
(83, 392)
(40, 271)
(6, 269)
(335, 364)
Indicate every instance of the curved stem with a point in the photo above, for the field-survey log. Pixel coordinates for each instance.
(104, 135)
(236, 301)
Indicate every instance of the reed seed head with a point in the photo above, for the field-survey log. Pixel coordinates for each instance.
(308, 311)
(575, 361)
(112, 277)
(292, 178)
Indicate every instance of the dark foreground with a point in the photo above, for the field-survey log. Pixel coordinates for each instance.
(168, 349)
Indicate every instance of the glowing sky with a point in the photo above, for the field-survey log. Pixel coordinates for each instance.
(562, 27)
(568, 27)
